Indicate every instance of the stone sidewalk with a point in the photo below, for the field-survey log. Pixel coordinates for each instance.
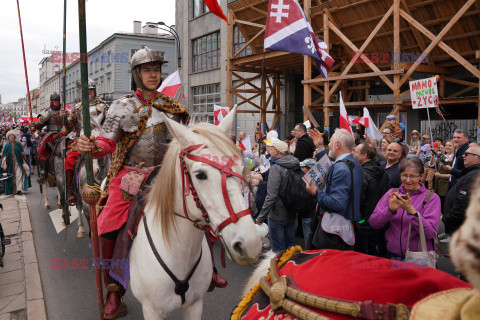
(21, 295)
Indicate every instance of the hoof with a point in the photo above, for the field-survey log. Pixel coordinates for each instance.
(81, 234)
(46, 207)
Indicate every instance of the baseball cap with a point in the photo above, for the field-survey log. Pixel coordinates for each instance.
(415, 132)
(391, 117)
(426, 136)
(280, 145)
(309, 162)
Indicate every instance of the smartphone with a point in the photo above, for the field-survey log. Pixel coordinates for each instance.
(404, 196)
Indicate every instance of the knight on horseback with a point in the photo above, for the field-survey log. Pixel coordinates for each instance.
(52, 119)
(98, 112)
(135, 127)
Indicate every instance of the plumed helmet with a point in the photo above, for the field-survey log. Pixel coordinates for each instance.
(143, 56)
(92, 84)
(54, 96)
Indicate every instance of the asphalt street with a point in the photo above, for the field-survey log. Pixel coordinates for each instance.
(70, 294)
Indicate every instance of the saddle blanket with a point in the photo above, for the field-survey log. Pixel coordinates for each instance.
(353, 276)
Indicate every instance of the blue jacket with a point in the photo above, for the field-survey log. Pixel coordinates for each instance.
(336, 198)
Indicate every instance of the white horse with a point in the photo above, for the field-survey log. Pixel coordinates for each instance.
(177, 241)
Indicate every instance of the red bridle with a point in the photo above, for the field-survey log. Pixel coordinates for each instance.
(226, 171)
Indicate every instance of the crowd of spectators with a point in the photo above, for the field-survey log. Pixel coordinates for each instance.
(380, 188)
(18, 161)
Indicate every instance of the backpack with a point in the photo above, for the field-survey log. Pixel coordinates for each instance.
(294, 194)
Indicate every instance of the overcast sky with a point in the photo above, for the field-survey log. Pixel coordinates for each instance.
(42, 22)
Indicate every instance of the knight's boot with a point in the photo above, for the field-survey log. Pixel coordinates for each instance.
(71, 199)
(114, 307)
(42, 173)
(217, 281)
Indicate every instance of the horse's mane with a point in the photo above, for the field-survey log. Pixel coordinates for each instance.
(161, 199)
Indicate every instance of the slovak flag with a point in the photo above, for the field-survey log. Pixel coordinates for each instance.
(219, 113)
(344, 121)
(172, 86)
(288, 30)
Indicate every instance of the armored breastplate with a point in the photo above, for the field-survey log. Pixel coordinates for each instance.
(97, 110)
(152, 144)
(55, 122)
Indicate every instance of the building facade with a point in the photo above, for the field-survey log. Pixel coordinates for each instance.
(109, 65)
(204, 50)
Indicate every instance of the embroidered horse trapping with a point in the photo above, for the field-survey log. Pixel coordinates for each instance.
(352, 277)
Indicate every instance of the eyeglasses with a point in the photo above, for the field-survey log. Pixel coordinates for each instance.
(466, 154)
(297, 130)
(386, 133)
(406, 177)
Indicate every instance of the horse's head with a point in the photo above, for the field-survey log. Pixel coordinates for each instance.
(214, 165)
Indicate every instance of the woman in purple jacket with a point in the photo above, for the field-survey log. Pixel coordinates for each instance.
(405, 206)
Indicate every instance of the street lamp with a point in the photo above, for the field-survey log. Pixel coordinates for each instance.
(172, 31)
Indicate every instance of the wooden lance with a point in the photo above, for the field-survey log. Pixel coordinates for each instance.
(25, 63)
(63, 131)
(90, 192)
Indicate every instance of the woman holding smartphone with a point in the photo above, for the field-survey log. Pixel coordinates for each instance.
(405, 205)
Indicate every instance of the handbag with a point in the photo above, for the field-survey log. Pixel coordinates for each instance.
(422, 256)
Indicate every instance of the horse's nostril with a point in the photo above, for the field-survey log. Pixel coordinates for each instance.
(238, 248)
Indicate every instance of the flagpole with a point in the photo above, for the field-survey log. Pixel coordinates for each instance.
(91, 193)
(262, 124)
(25, 63)
(429, 124)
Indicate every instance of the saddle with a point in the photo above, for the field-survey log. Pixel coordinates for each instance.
(128, 231)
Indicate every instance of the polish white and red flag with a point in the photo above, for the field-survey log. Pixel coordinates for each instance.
(219, 113)
(288, 30)
(172, 86)
(344, 120)
(361, 120)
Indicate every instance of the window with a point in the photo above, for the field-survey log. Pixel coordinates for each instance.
(199, 8)
(206, 52)
(238, 42)
(204, 97)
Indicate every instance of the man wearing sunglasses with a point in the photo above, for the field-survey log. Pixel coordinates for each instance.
(458, 198)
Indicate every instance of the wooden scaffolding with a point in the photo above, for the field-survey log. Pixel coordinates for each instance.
(383, 41)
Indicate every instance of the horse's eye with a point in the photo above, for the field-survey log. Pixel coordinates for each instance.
(201, 175)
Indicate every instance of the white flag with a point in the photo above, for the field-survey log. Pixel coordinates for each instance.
(372, 128)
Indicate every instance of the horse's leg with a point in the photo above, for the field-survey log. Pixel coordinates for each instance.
(193, 311)
(149, 313)
(59, 200)
(81, 230)
(45, 194)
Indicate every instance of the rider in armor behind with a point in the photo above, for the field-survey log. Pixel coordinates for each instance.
(52, 119)
(134, 126)
(98, 111)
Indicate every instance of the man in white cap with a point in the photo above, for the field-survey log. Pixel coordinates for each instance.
(396, 128)
(281, 222)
